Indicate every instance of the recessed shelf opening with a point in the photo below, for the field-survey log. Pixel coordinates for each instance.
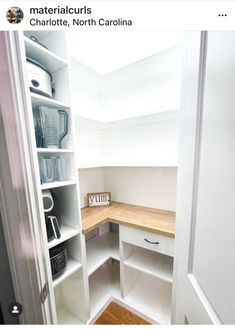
(100, 248)
(148, 294)
(151, 262)
(66, 207)
(55, 42)
(104, 284)
(58, 167)
(69, 298)
(74, 259)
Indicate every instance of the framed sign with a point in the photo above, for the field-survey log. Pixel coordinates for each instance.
(99, 199)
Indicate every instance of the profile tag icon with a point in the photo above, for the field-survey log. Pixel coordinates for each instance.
(15, 309)
(14, 15)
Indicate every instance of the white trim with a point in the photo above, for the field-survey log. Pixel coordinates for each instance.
(197, 152)
(26, 261)
(211, 313)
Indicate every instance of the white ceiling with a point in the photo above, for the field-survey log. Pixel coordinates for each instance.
(105, 52)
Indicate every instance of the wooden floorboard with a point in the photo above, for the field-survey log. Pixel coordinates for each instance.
(116, 314)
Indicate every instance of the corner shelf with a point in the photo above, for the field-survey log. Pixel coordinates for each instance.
(44, 56)
(55, 184)
(72, 267)
(66, 233)
(43, 100)
(104, 285)
(100, 249)
(152, 263)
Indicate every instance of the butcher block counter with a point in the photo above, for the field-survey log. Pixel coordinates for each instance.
(148, 219)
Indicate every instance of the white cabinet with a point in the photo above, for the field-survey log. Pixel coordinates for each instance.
(125, 268)
(146, 272)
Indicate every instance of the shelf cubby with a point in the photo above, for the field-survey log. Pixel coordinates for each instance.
(66, 208)
(72, 267)
(100, 249)
(149, 262)
(67, 140)
(104, 284)
(44, 56)
(74, 262)
(66, 211)
(66, 233)
(68, 163)
(69, 298)
(55, 42)
(148, 294)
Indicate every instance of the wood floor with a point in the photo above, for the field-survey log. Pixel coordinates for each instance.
(116, 314)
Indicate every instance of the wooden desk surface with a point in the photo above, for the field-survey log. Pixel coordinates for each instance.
(149, 219)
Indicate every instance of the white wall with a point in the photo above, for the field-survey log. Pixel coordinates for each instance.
(145, 186)
(149, 144)
(148, 141)
(148, 86)
(151, 187)
(89, 143)
(90, 180)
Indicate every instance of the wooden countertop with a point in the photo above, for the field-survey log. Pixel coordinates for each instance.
(149, 219)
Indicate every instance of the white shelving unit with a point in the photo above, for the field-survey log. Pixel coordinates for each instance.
(152, 263)
(100, 249)
(69, 299)
(67, 292)
(146, 274)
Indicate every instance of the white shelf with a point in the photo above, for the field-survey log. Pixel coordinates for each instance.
(66, 233)
(52, 150)
(100, 249)
(44, 56)
(64, 316)
(43, 100)
(72, 267)
(104, 284)
(152, 297)
(57, 184)
(152, 263)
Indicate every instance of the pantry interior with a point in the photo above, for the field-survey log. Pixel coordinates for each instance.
(123, 122)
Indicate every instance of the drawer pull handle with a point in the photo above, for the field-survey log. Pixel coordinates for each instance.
(151, 241)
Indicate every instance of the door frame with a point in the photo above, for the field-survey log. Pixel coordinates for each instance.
(18, 192)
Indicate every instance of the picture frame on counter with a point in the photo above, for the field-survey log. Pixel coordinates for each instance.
(99, 199)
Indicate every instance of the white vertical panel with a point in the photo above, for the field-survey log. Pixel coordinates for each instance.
(215, 226)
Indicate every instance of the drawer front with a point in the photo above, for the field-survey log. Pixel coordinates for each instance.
(148, 240)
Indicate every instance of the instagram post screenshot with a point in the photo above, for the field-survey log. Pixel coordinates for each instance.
(117, 162)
